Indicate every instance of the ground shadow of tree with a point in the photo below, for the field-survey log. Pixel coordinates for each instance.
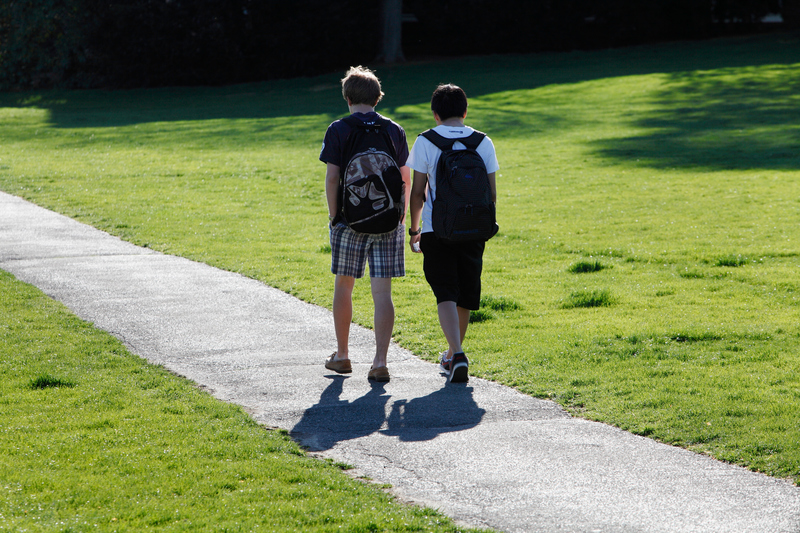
(404, 84)
(719, 120)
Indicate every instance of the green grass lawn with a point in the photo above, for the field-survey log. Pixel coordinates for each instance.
(647, 272)
(95, 439)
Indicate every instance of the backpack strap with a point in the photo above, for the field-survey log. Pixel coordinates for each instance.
(380, 125)
(353, 122)
(356, 127)
(443, 143)
(474, 140)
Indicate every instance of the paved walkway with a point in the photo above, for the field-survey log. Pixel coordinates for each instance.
(501, 459)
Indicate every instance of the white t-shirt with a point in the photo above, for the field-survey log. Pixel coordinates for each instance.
(424, 157)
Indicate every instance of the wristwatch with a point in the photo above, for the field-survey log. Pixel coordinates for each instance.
(412, 233)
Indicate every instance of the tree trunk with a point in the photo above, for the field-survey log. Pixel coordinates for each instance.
(392, 29)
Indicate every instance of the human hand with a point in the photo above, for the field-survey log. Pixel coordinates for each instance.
(414, 242)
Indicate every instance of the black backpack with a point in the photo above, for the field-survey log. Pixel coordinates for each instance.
(463, 209)
(372, 188)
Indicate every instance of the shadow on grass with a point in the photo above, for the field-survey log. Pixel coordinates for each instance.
(721, 120)
(405, 84)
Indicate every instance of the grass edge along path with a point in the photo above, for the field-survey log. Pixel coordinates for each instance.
(96, 439)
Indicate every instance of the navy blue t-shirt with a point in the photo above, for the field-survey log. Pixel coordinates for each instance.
(337, 133)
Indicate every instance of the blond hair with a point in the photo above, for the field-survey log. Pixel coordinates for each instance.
(361, 86)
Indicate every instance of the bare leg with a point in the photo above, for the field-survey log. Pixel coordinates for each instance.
(384, 318)
(454, 321)
(343, 314)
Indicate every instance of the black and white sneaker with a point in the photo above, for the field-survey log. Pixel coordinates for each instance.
(459, 368)
(444, 363)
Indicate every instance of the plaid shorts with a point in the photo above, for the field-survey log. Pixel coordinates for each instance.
(350, 251)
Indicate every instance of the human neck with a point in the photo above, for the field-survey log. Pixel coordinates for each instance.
(454, 122)
(361, 108)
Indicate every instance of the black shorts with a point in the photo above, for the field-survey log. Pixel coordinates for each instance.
(453, 270)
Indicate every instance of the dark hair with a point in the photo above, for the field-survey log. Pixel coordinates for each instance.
(449, 101)
(361, 86)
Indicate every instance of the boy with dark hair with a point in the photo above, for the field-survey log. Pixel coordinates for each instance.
(351, 250)
(452, 269)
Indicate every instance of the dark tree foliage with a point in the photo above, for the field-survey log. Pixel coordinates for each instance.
(153, 42)
(450, 27)
(145, 43)
(747, 12)
(790, 9)
(42, 42)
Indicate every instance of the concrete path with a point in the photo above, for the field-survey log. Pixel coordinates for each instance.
(500, 460)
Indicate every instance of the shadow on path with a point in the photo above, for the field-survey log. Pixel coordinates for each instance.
(451, 408)
(332, 420)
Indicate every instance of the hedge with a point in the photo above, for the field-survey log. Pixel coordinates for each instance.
(146, 43)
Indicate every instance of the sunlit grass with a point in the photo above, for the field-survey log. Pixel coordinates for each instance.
(95, 439)
(673, 167)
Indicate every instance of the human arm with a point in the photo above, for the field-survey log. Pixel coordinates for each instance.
(332, 173)
(405, 172)
(487, 152)
(417, 200)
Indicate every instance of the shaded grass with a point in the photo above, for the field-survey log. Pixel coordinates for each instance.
(663, 164)
(116, 444)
